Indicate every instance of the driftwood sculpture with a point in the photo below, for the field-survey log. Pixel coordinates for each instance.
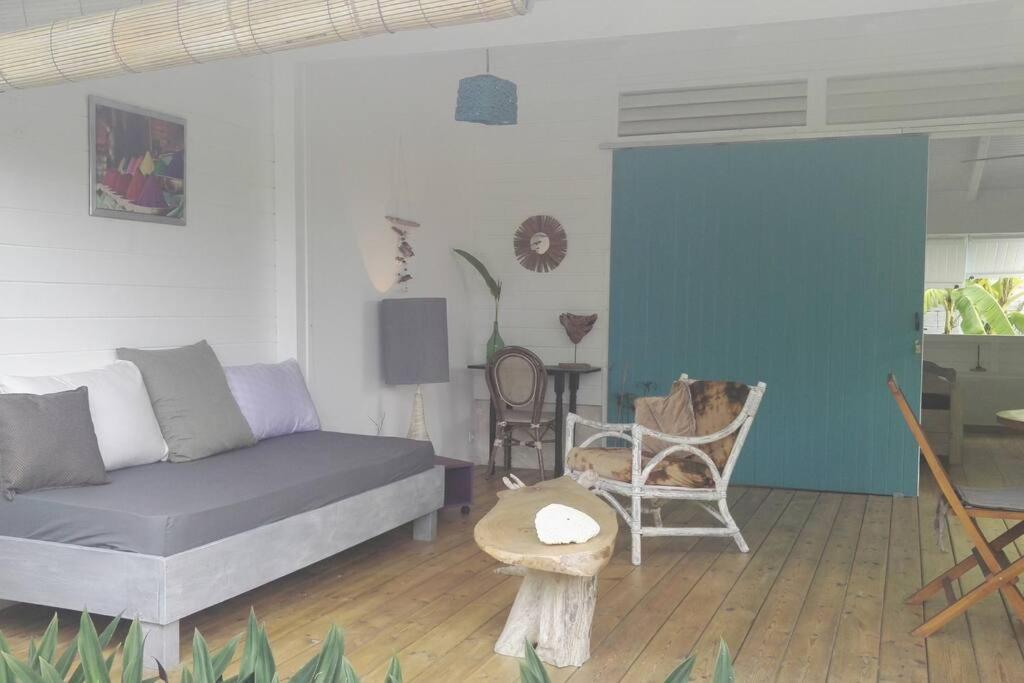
(576, 327)
(555, 604)
(401, 226)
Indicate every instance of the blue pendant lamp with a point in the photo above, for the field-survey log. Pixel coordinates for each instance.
(487, 99)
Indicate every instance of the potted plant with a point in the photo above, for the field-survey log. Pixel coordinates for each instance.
(495, 342)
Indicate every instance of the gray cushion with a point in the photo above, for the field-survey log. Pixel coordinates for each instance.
(997, 499)
(164, 508)
(193, 404)
(48, 441)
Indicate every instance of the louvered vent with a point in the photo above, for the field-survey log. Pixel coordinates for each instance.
(731, 107)
(914, 96)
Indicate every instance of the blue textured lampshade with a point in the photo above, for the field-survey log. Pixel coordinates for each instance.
(487, 99)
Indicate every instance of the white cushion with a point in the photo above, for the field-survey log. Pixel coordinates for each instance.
(126, 428)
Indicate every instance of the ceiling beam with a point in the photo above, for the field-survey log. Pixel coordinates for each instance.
(978, 169)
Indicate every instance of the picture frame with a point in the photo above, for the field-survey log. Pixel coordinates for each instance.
(137, 163)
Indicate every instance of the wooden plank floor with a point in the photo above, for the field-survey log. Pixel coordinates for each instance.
(818, 598)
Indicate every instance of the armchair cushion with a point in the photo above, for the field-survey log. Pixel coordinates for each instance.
(715, 405)
(672, 414)
(616, 463)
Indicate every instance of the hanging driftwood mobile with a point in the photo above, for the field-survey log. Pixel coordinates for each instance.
(401, 226)
(540, 243)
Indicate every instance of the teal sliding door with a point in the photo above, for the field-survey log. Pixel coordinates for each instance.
(796, 263)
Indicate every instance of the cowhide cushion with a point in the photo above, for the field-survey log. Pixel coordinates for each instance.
(616, 464)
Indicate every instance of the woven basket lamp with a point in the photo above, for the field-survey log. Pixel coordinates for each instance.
(487, 99)
(166, 33)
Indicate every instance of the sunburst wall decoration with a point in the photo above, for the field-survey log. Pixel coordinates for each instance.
(540, 243)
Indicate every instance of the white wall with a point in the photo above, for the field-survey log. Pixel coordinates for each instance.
(999, 387)
(471, 185)
(74, 287)
(355, 174)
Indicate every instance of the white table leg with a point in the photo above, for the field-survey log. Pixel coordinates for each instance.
(555, 611)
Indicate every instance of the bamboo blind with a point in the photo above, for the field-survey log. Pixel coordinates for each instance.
(175, 32)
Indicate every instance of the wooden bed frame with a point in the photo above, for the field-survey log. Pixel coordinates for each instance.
(162, 590)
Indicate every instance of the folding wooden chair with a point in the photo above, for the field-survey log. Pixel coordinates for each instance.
(968, 504)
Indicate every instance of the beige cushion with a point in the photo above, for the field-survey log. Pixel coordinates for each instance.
(616, 464)
(672, 414)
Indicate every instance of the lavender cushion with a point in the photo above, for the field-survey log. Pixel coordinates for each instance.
(273, 398)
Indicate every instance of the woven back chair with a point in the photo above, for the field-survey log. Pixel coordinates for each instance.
(968, 504)
(517, 382)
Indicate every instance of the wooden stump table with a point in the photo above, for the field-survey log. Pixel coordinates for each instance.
(555, 604)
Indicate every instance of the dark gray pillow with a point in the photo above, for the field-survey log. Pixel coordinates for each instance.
(48, 441)
(193, 404)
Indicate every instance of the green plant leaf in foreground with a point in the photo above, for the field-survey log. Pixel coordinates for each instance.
(90, 651)
(394, 674)
(723, 665)
(531, 669)
(681, 674)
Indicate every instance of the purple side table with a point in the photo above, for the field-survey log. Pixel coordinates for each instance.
(458, 482)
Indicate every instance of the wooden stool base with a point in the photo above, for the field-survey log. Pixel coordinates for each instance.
(555, 611)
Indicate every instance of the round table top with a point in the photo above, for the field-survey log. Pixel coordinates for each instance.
(1013, 419)
(507, 534)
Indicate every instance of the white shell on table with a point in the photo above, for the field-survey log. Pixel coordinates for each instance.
(557, 524)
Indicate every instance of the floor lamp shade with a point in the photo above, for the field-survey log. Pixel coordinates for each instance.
(414, 340)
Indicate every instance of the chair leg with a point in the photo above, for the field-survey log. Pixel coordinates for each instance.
(635, 526)
(964, 566)
(508, 452)
(656, 512)
(491, 457)
(1004, 581)
(723, 508)
(539, 446)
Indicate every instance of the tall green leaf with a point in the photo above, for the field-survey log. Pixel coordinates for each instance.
(49, 673)
(723, 665)
(202, 665)
(22, 673)
(266, 669)
(221, 660)
(348, 674)
(91, 652)
(47, 645)
(492, 284)
(131, 665)
(394, 674)
(531, 669)
(63, 664)
(681, 674)
(251, 649)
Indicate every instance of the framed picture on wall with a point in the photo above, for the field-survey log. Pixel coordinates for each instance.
(136, 163)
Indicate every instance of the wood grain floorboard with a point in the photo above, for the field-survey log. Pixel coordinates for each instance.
(819, 597)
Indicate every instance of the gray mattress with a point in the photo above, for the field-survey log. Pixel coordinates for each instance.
(165, 508)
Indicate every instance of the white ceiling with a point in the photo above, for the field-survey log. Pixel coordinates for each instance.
(575, 19)
(950, 168)
(18, 14)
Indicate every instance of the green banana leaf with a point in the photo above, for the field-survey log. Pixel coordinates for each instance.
(1017, 320)
(988, 318)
